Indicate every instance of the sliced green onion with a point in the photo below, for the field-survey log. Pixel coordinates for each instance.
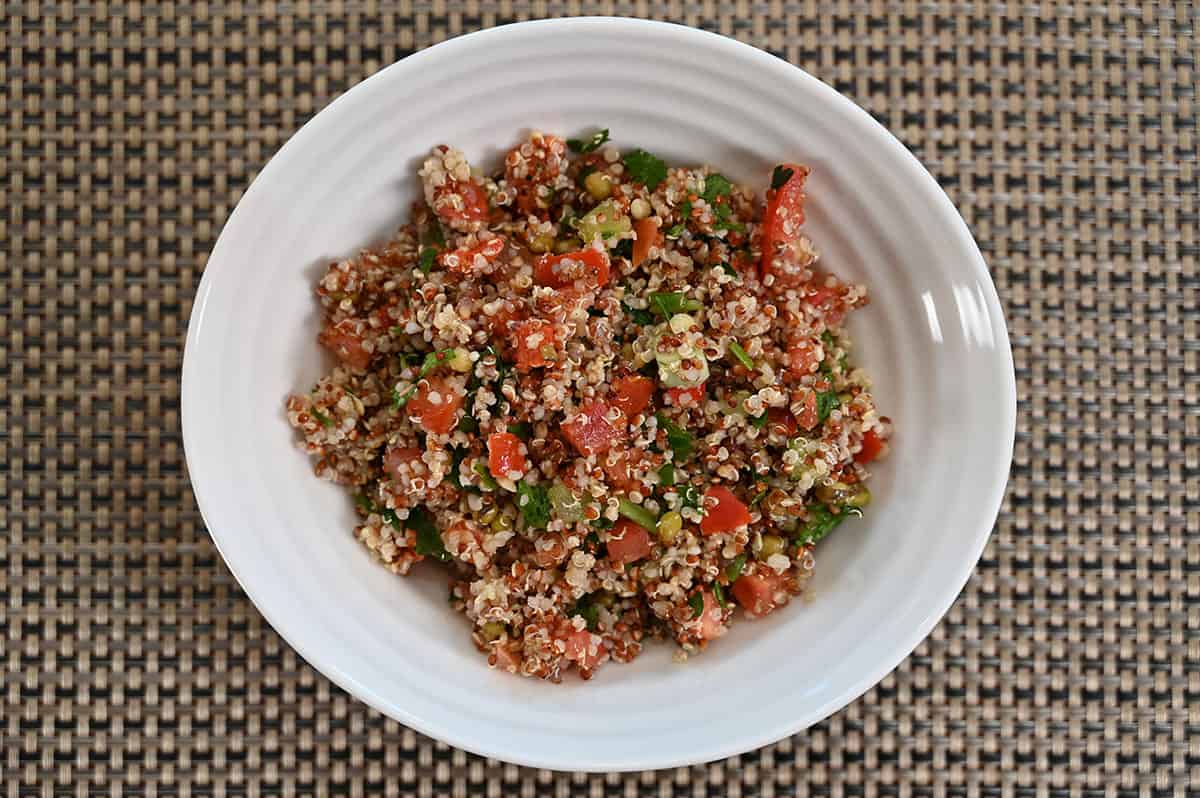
(637, 514)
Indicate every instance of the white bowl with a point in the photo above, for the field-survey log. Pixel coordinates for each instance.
(933, 338)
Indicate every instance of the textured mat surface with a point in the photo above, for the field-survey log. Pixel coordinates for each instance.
(132, 663)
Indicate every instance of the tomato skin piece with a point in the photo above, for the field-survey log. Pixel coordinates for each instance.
(474, 201)
(632, 394)
(726, 512)
(588, 265)
(783, 216)
(695, 395)
(803, 358)
(345, 342)
(462, 261)
(530, 338)
(809, 417)
(590, 431)
(579, 648)
(647, 236)
(756, 590)
(435, 417)
(872, 447)
(628, 542)
(506, 455)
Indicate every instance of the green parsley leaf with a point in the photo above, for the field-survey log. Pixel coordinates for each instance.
(457, 456)
(821, 521)
(758, 422)
(624, 249)
(590, 144)
(468, 424)
(741, 354)
(696, 602)
(325, 420)
(722, 213)
(428, 258)
(588, 610)
(691, 496)
(780, 176)
(522, 430)
(434, 235)
(431, 362)
(429, 540)
(638, 315)
(826, 402)
(674, 231)
(719, 593)
(666, 475)
(668, 303)
(645, 168)
(735, 568)
(732, 272)
(679, 439)
(715, 185)
(762, 494)
(534, 502)
(486, 480)
(603, 523)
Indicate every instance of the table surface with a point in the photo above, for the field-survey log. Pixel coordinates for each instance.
(133, 663)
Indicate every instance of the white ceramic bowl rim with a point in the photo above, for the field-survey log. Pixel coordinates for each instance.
(924, 189)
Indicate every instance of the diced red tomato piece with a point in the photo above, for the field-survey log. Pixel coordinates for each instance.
(628, 542)
(726, 512)
(536, 342)
(782, 419)
(618, 468)
(507, 658)
(591, 266)
(760, 590)
(345, 341)
(689, 396)
(591, 432)
(465, 260)
(809, 418)
(403, 461)
(647, 236)
(474, 202)
(803, 357)
(711, 626)
(584, 648)
(783, 216)
(498, 323)
(506, 455)
(435, 405)
(632, 394)
(872, 446)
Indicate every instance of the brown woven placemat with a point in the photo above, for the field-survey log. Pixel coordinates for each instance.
(131, 661)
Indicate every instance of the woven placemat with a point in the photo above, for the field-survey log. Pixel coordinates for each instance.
(132, 663)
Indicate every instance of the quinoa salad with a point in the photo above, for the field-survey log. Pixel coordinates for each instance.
(612, 399)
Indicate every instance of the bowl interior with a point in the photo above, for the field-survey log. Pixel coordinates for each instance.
(933, 339)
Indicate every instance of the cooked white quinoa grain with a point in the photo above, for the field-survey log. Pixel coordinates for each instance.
(612, 398)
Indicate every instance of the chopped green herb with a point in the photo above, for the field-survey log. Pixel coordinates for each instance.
(732, 272)
(637, 514)
(691, 496)
(715, 185)
(638, 315)
(522, 430)
(325, 420)
(696, 602)
(758, 422)
(459, 453)
(432, 361)
(363, 503)
(588, 610)
(735, 568)
(741, 354)
(780, 176)
(821, 521)
(396, 330)
(434, 235)
(624, 249)
(534, 502)
(590, 144)
(486, 480)
(602, 523)
(674, 231)
(468, 424)
(428, 258)
(719, 593)
(584, 171)
(762, 494)
(826, 402)
(722, 222)
(679, 439)
(645, 168)
(429, 540)
(667, 304)
(666, 475)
